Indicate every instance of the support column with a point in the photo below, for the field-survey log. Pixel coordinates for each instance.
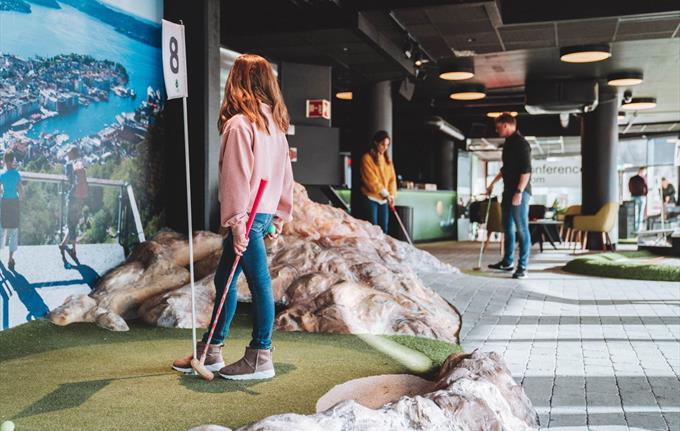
(202, 30)
(371, 111)
(599, 139)
(446, 163)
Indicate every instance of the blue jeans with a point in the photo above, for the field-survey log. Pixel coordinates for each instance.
(376, 213)
(639, 211)
(519, 216)
(254, 264)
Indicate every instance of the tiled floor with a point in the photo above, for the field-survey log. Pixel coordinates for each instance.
(591, 353)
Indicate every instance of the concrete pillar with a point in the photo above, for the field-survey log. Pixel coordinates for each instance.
(446, 163)
(599, 139)
(371, 111)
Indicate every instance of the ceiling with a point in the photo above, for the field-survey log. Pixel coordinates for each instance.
(509, 42)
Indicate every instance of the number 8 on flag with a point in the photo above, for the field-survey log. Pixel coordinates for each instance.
(174, 60)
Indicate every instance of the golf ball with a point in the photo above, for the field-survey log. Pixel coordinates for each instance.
(271, 229)
(7, 426)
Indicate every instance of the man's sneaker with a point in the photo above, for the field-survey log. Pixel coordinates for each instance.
(520, 273)
(213, 360)
(256, 364)
(502, 266)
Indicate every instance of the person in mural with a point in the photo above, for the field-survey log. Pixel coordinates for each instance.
(637, 186)
(253, 123)
(76, 194)
(12, 193)
(516, 176)
(378, 180)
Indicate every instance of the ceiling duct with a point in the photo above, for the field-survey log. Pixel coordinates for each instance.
(561, 96)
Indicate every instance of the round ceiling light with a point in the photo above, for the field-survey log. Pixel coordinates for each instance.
(623, 79)
(498, 114)
(458, 71)
(468, 92)
(344, 95)
(638, 103)
(585, 53)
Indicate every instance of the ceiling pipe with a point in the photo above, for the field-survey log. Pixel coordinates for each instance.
(446, 128)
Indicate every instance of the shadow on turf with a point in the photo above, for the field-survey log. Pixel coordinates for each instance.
(71, 395)
(220, 385)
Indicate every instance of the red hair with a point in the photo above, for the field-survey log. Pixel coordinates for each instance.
(251, 81)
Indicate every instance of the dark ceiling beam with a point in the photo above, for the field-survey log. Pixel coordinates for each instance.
(367, 5)
(389, 49)
(527, 11)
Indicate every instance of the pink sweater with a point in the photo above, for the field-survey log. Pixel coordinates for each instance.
(247, 155)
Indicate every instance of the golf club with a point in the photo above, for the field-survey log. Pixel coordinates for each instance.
(403, 228)
(199, 365)
(481, 244)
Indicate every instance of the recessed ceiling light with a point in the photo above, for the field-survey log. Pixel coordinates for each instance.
(344, 95)
(638, 103)
(585, 53)
(622, 79)
(468, 92)
(458, 71)
(498, 114)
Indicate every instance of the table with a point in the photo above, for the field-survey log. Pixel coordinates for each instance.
(544, 228)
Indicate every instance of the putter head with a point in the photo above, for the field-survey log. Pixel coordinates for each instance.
(201, 370)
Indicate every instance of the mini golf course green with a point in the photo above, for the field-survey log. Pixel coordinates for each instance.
(636, 265)
(81, 377)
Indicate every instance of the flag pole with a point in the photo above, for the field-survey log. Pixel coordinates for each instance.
(190, 224)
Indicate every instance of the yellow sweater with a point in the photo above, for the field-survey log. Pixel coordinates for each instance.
(377, 179)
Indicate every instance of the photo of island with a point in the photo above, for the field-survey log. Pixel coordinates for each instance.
(81, 85)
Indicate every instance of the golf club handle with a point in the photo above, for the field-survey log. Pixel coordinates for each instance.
(256, 203)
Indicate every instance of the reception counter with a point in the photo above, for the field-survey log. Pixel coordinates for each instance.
(434, 212)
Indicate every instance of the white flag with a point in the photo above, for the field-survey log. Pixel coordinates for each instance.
(174, 60)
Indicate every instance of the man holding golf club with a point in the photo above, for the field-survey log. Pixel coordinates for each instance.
(255, 191)
(516, 175)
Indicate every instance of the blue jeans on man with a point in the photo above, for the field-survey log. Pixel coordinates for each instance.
(639, 211)
(254, 264)
(516, 217)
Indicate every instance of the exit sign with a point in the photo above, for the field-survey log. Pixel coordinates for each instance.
(318, 108)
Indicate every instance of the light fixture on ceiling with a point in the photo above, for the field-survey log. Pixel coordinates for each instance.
(624, 79)
(638, 103)
(498, 114)
(344, 95)
(468, 92)
(458, 71)
(585, 53)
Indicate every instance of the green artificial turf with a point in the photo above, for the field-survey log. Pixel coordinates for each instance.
(636, 265)
(81, 377)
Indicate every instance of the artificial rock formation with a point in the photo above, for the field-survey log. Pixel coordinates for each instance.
(473, 392)
(330, 271)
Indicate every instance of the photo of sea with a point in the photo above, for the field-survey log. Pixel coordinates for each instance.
(84, 74)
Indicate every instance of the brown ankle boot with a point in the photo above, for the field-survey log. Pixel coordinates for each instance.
(254, 365)
(213, 360)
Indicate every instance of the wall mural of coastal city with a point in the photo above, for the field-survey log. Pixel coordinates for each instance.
(81, 103)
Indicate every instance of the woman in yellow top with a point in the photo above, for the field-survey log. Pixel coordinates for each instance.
(378, 180)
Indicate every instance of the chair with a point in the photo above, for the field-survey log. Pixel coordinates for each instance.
(495, 222)
(602, 221)
(568, 218)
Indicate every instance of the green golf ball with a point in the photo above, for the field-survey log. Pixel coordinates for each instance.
(271, 229)
(7, 426)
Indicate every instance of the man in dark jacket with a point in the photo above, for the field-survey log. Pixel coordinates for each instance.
(637, 185)
(516, 175)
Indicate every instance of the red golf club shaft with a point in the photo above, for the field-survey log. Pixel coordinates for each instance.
(251, 219)
(403, 228)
